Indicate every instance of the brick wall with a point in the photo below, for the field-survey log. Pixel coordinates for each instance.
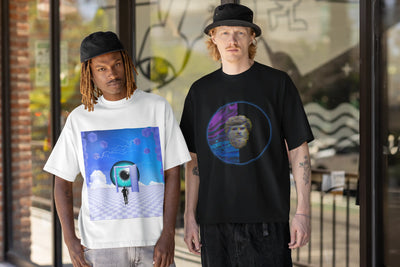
(20, 126)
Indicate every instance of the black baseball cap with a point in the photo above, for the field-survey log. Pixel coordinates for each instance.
(99, 43)
(233, 15)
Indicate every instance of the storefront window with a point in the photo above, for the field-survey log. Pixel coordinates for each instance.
(391, 47)
(317, 44)
(77, 19)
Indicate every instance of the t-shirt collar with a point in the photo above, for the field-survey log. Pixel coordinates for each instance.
(116, 103)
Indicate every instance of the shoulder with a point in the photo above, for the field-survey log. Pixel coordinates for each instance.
(149, 97)
(272, 76)
(267, 70)
(206, 79)
(151, 101)
(78, 112)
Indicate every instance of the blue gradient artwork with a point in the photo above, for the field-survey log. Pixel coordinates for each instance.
(239, 133)
(123, 166)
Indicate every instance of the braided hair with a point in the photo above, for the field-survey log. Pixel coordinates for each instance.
(90, 92)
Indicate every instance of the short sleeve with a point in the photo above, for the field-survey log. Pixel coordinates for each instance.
(187, 123)
(295, 124)
(63, 160)
(176, 152)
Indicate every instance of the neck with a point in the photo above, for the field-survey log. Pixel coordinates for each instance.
(233, 68)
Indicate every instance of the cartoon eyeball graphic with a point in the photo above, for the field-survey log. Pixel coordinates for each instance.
(123, 173)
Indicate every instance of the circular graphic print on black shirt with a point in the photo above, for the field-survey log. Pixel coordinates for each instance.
(239, 133)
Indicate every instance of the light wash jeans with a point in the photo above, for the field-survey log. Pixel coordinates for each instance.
(121, 257)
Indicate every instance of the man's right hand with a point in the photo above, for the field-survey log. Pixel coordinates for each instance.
(192, 238)
(63, 197)
(76, 253)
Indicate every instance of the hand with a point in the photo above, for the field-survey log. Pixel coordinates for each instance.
(76, 254)
(300, 231)
(192, 236)
(164, 250)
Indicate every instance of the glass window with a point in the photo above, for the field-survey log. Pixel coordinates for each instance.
(81, 18)
(317, 44)
(391, 48)
(78, 19)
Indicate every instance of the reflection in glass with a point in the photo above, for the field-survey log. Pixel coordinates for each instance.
(391, 46)
(317, 44)
(78, 18)
(39, 55)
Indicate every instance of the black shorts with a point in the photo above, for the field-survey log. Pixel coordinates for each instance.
(245, 245)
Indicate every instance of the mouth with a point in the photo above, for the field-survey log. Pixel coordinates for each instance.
(232, 49)
(114, 82)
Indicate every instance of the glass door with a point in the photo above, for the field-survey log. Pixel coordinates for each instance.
(317, 43)
(391, 107)
(77, 19)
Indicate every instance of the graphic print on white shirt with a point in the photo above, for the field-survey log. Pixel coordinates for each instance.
(125, 177)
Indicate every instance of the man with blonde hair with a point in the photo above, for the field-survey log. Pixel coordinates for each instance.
(128, 148)
(238, 193)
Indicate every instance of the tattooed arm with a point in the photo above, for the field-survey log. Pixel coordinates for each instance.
(192, 181)
(301, 168)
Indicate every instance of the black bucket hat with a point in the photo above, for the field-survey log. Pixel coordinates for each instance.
(233, 15)
(99, 43)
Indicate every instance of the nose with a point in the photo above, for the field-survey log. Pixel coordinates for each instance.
(112, 73)
(232, 38)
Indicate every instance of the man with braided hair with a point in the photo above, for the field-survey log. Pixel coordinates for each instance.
(89, 89)
(128, 148)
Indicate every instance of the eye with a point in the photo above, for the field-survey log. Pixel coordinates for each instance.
(100, 69)
(157, 70)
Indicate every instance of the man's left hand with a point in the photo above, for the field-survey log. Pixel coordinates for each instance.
(300, 231)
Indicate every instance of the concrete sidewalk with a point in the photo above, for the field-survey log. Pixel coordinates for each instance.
(41, 237)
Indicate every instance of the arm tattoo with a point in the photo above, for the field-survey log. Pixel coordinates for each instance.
(307, 169)
(195, 171)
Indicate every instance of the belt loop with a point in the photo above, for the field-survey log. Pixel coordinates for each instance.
(265, 229)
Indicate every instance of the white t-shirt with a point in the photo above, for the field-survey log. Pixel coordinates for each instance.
(121, 149)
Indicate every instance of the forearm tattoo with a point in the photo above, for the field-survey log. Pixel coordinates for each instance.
(195, 171)
(306, 165)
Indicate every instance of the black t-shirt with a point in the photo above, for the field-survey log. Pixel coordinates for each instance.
(237, 125)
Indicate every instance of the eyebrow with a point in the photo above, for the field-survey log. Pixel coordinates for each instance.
(102, 63)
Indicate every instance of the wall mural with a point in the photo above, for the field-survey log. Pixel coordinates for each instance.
(286, 9)
(163, 68)
(315, 41)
